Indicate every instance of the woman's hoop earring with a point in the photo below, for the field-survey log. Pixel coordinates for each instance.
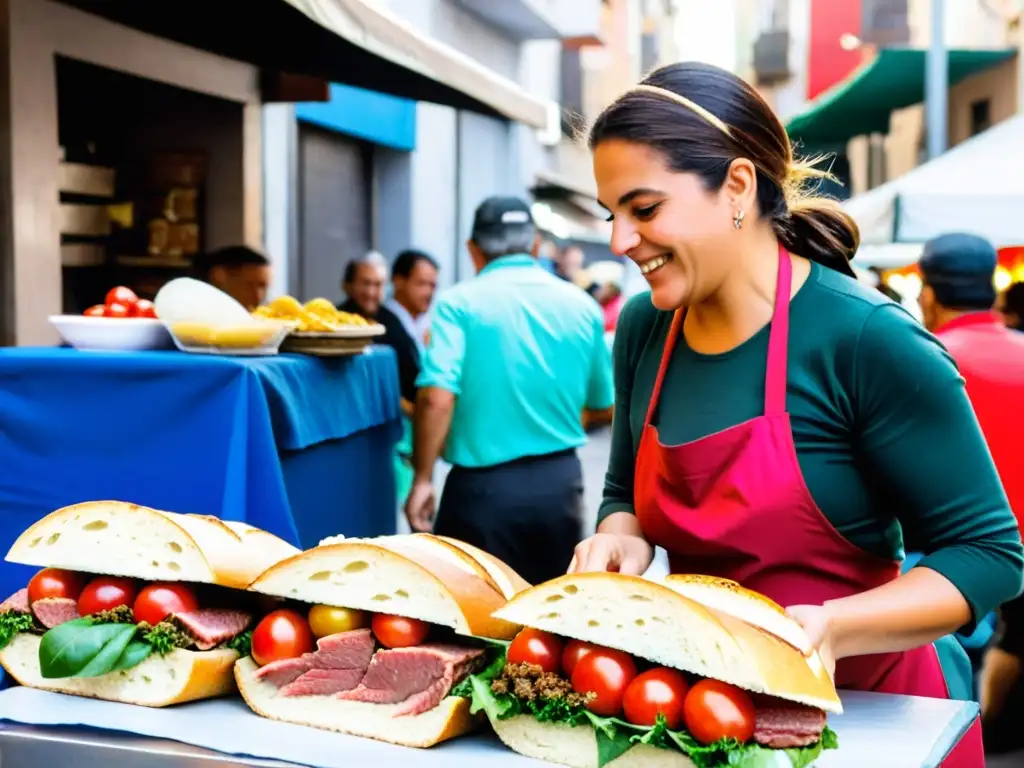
(737, 219)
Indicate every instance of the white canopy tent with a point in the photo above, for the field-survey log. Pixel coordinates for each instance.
(978, 187)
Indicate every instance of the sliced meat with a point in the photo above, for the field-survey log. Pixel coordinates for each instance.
(783, 725)
(54, 611)
(420, 676)
(18, 602)
(324, 682)
(212, 626)
(285, 671)
(345, 650)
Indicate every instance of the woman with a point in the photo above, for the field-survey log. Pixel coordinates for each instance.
(776, 422)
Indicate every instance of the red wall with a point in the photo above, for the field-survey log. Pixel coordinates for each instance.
(827, 62)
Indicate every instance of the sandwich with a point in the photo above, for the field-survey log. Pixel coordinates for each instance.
(688, 672)
(377, 637)
(133, 604)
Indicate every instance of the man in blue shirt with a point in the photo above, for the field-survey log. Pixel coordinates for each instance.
(516, 361)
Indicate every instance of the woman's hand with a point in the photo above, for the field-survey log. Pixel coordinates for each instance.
(817, 623)
(621, 552)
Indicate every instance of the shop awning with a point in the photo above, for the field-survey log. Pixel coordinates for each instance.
(353, 42)
(862, 103)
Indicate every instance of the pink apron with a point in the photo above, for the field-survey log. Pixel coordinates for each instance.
(735, 505)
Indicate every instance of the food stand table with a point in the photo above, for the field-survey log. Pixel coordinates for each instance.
(299, 446)
(875, 730)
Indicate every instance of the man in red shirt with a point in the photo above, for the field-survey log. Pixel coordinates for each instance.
(957, 300)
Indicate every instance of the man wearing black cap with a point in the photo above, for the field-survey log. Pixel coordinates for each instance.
(956, 301)
(516, 358)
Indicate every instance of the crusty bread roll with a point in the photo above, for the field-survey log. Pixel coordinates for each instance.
(577, 747)
(121, 539)
(449, 719)
(509, 582)
(394, 574)
(752, 607)
(159, 681)
(654, 622)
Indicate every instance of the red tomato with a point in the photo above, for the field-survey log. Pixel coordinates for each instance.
(714, 710)
(121, 295)
(97, 310)
(144, 308)
(533, 646)
(117, 309)
(157, 601)
(605, 673)
(574, 651)
(658, 691)
(398, 631)
(283, 634)
(55, 582)
(106, 592)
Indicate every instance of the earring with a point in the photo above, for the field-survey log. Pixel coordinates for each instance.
(737, 219)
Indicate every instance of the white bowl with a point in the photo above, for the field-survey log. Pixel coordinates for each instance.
(112, 334)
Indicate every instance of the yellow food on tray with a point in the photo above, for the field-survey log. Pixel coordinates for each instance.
(238, 337)
(316, 316)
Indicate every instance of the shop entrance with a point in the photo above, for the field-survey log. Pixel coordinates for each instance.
(150, 176)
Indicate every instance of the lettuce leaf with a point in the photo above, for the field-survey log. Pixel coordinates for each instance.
(615, 737)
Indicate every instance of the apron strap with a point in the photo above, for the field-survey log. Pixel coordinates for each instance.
(778, 346)
(666, 354)
(778, 340)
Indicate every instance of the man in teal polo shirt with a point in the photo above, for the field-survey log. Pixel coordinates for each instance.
(516, 361)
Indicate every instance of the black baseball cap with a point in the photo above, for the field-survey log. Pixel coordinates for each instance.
(496, 213)
(960, 267)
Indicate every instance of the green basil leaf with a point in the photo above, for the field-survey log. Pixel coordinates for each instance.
(108, 655)
(134, 654)
(68, 649)
(612, 742)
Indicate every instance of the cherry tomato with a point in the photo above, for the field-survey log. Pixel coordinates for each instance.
(144, 308)
(55, 582)
(105, 593)
(158, 601)
(605, 673)
(533, 646)
(714, 710)
(283, 634)
(574, 651)
(658, 691)
(97, 310)
(327, 620)
(398, 631)
(117, 309)
(121, 295)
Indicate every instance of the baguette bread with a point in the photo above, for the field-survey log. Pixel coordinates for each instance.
(400, 575)
(729, 597)
(509, 582)
(121, 539)
(451, 718)
(658, 623)
(577, 747)
(159, 681)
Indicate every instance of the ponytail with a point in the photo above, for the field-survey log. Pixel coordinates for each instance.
(813, 226)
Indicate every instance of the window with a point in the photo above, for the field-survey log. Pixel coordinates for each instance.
(981, 116)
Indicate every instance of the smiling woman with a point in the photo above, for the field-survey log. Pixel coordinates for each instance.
(776, 422)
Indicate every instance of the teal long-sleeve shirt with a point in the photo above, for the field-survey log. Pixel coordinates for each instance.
(885, 435)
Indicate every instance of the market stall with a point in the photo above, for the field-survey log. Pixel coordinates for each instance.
(296, 445)
(875, 729)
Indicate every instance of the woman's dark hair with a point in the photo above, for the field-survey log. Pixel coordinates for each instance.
(738, 124)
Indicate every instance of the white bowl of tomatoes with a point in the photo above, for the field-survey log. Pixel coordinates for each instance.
(123, 323)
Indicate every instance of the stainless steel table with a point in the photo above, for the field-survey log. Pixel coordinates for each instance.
(45, 729)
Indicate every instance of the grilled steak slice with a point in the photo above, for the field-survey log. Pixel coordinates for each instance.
(212, 626)
(420, 676)
(54, 611)
(783, 725)
(324, 682)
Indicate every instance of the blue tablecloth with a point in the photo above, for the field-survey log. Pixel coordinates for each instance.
(299, 446)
